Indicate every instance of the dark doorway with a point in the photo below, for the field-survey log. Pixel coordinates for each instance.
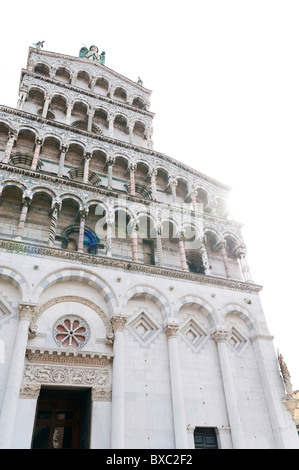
(62, 420)
(205, 438)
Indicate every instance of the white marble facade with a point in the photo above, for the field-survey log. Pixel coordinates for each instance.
(162, 327)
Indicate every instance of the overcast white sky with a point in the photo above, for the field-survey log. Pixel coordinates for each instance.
(225, 81)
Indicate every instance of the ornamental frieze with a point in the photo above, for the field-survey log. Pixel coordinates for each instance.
(48, 374)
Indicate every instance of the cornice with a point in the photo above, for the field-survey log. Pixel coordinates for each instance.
(87, 61)
(119, 143)
(82, 91)
(29, 249)
(67, 357)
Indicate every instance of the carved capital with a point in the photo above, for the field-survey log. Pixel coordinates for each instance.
(173, 182)
(219, 335)
(171, 330)
(27, 311)
(241, 251)
(222, 243)
(118, 322)
(133, 167)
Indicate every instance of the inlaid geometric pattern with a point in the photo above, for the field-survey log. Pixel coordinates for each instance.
(236, 340)
(144, 328)
(193, 334)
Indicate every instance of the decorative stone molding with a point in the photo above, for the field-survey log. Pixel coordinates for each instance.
(92, 260)
(101, 394)
(54, 367)
(56, 375)
(66, 358)
(30, 391)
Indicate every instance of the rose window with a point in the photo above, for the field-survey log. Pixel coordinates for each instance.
(71, 332)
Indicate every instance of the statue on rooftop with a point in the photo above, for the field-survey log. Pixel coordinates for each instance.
(92, 54)
(285, 375)
(39, 44)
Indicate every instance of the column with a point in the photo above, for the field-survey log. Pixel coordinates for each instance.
(15, 375)
(153, 175)
(63, 150)
(178, 407)
(83, 215)
(159, 246)
(118, 386)
(110, 163)
(100, 413)
(87, 158)
(73, 78)
(22, 98)
(132, 167)
(224, 258)
(241, 253)
(69, 109)
(149, 137)
(56, 206)
(204, 258)
(212, 206)
(135, 228)
(9, 147)
(193, 196)
(131, 128)
(182, 253)
(219, 335)
(110, 219)
(111, 123)
(90, 114)
(173, 184)
(25, 206)
(36, 153)
(93, 83)
(46, 106)
(25, 418)
(52, 72)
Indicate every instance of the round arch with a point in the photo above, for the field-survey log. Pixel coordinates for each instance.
(242, 313)
(152, 294)
(74, 298)
(82, 276)
(16, 279)
(206, 308)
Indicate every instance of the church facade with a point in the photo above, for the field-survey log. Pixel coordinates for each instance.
(128, 316)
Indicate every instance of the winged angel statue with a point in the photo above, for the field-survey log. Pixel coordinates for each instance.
(92, 54)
